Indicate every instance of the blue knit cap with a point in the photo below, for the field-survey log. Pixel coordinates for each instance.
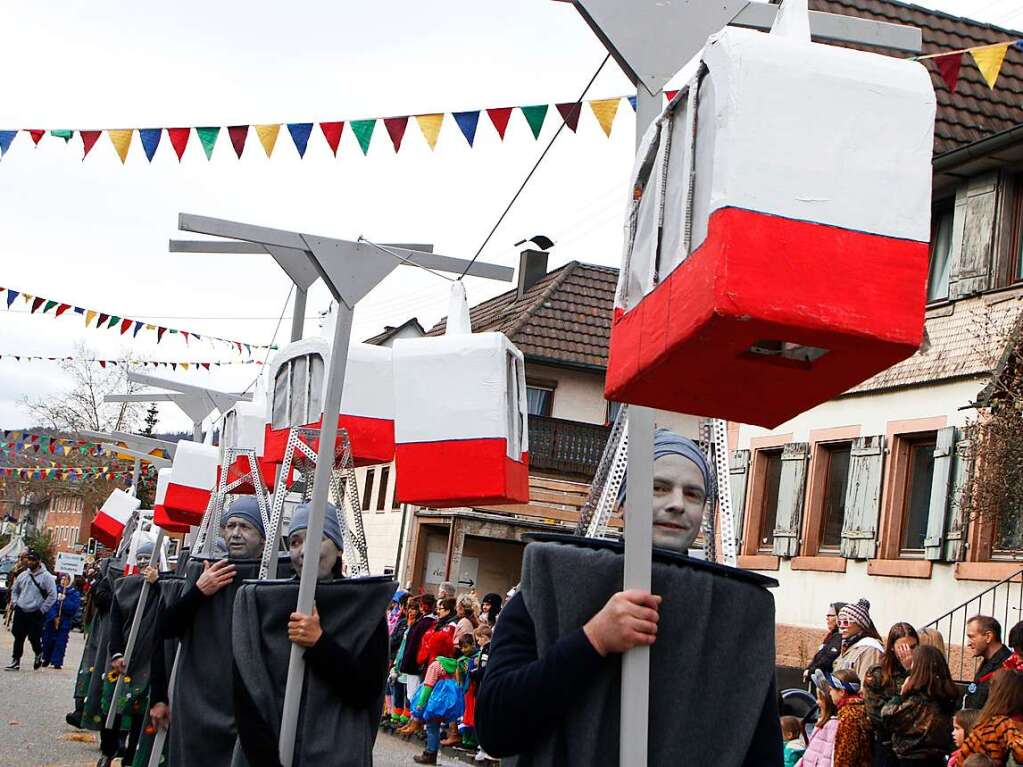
(667, 442)
(331, 527)
(246, 507)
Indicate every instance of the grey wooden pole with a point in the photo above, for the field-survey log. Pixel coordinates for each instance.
(133, 632)
(314, 533)
(298, 314)
(161, 732)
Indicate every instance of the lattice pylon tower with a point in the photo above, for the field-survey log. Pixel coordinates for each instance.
(214, 513)
(595, 514)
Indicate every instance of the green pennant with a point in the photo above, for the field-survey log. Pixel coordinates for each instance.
(49, 305)
(363, 130)
(63, 133)
(535, 115)
(113, 321)
(208, 138)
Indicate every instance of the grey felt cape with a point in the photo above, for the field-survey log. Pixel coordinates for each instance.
(711, 668)
(329, 732)
(127, 592)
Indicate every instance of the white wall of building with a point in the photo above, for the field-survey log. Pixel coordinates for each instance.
(383, 526)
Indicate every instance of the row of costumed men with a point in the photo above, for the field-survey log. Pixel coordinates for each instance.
(211, 648)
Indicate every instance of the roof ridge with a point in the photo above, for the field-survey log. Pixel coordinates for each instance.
(516, 326)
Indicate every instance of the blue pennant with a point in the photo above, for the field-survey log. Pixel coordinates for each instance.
(468, 121)
(300, 135)
(6, 137)
(150, 140)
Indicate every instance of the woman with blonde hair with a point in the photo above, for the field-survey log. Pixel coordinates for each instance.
(933, 638)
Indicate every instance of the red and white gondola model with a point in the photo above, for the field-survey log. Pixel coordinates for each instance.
(297, 376)
(108, 525)
(192, 482)
(160, 515)
(244, 427)
(777, 242)
(460, 417)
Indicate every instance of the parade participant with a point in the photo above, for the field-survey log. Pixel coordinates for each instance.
(93, 668)
(345, 649)
(984, 638)
(33, 594)
(551, 691)
(202, 708)
(58, 622)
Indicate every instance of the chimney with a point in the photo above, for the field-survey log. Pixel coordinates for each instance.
(533, 263)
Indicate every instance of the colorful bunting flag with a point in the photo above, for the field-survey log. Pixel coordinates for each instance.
(150, 140)
(89, 139)
(467, 122)
(36, 135)
(11, 295)
(208, 139)
(332, 132)
(125, 324)
(61, 309)
(605, 110)
(63, 133)
(36, 303)
(268, 136)
(396, 130)
(179, 140)
(535, 115)
(49, 305)
(632, 102)
(363, 130)
(238, 134)
(948, 67)
(89, 317)
(300, 136)
(6, 137)
(430, 126)
(670, 95)
(570, 114)
(499, 116)
(989, 60)
(121, 139)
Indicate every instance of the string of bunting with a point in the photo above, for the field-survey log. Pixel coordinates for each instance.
(79, 473)
(184, 365)
(105, 320)
(988, 58)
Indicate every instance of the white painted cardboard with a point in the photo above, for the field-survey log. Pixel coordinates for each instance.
(195, 465)
(244, 426)
(163, 478)
(120, 506)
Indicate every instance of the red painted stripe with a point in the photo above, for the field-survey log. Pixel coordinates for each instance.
(372, 440)
(460, 473)
(106, 530)
(760, 277)
(185, 503)
(164, 520)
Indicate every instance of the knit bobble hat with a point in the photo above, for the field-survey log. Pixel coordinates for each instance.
(858, 613)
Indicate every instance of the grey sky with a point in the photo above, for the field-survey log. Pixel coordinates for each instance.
(94, 233)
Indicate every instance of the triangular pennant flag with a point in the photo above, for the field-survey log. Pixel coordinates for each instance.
(63, 133)
(363, 130)
(135, 332)
(89, 138)
(36, 135)
(102, 320)
(208, 139)
(430, 126)
(90, 315)
(535, 115)
(605, 110)
(268, 136)
(300, 135)
(632, 102)
(238, 134)
(332, 132)
(121, 139)
(102, 364)
(185, 334)
(6, 137)
(184, 365)
(49, 305)
(36, 303)
(125, 324)
(467, 122)
(499, 116)
(11, 295)
(113, 320)
(948, 67)
(26, 297)
(159, 334)
(207, 365)
(396, 130)
(150, 140)
(670, 95)
(179, 139)
(61, 309)
(989, 61)
(570, 114)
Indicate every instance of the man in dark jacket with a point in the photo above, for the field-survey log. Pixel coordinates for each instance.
(831, 646)
(984, 638)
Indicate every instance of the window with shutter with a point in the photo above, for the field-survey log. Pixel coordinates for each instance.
(836, 481)
(738, 471)
(962, 469)
(916, 496)
(937, 509)
(768, 515)
(863, 498)
(791, 491)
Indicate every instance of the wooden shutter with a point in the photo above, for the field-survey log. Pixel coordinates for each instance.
(937, 512)
(962, 470)
(863, 498)
(973, 235)
(738, 470)
(791, 489)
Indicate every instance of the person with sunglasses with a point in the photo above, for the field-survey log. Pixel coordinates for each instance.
(861, 644)
(831, 644)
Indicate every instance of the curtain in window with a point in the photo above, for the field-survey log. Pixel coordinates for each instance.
(941, 259)
(279, 419)
(315, 387)
(538, 401)
(299, 391)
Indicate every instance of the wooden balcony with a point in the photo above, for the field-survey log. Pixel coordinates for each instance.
(569, 448)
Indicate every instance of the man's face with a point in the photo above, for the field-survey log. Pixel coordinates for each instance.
(244, 541)
(977, 640)
(679, 496)
(329, 554)
(832, 618)
(142, 560)
(32, 563)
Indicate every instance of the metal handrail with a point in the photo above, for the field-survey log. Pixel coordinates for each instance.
(1003, 597)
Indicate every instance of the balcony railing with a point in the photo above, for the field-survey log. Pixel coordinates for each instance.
(566, 447)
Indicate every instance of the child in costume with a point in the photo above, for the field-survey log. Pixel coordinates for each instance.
(439, 700)
(962, 725)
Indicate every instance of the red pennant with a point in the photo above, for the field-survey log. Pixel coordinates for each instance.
(332, 132)
(205, 365)
(36, 135)
(670, 94)
(185, 334)
(948, 66)
(238, 134)
(499, 117)
(570, 114)
(102, 363)
(53, 447)
(125, 324)
(396, 130)
(89, 138)
(159, 334)
(62, 308)
(36, 303)
(179, 139)
(102, 319)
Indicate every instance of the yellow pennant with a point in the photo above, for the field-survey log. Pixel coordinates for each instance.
(150, 327)
(430, 126)
(268, 136)
(67, 450)
(121, 140)
(989, 61)
(605, 110)
(90, 315)
(26, 297)
(184, 365)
